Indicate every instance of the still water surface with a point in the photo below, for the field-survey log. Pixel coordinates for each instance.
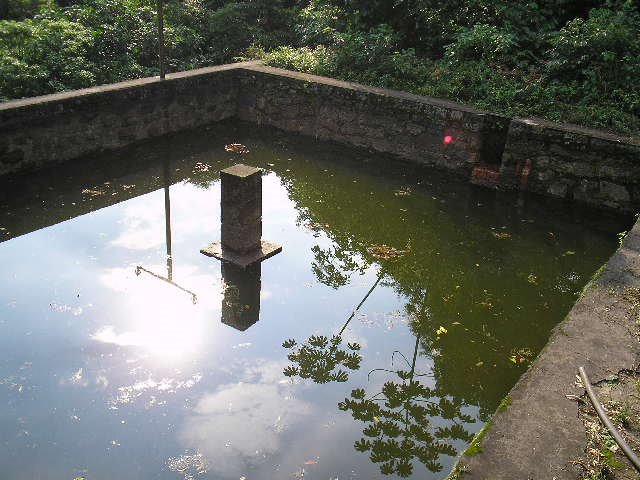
(108, 370)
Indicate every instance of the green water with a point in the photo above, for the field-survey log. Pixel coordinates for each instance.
(119, 362)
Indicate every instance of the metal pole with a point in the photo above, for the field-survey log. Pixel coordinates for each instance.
(161, 37)
(167, 218)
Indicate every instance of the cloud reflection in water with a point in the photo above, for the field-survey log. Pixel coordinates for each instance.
(240, 425)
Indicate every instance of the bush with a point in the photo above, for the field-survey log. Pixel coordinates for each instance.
(320, 23)
(566, 60)
(40, 56)
(602, 52)
(318, 61)
(483, 42)
(125, 37)
(21, 9)
(370, 57)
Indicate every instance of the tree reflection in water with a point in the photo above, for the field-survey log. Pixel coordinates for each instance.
(335, 266)
(407, 422)
(398, 422)
(319, 356)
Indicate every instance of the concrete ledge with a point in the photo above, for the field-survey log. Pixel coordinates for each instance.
(114, 87)
(357, 87)
(537, 434)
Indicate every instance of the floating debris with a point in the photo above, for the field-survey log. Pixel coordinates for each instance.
(317, 226)
(129, 393)
(521, 355)
(236, 148)
(502, 235)
(385, 252)
(76, 378)
(75, 311)
(190, 466)
(441, 331)
(201, 167)
(402, 192)
(91, 192)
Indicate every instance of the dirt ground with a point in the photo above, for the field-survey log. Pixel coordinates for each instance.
(620, 396)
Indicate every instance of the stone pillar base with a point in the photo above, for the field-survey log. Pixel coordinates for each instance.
(242, 260)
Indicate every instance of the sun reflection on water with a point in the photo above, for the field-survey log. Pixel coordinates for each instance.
(159, 318)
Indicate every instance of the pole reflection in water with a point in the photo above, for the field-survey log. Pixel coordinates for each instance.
(167, 226)
(241, 301)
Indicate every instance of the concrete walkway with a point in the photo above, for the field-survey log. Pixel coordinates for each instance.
(537, 433)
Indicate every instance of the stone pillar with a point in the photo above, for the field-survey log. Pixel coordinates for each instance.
(241, 208)
(241, 214)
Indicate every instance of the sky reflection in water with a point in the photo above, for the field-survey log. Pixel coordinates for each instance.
(109, 373)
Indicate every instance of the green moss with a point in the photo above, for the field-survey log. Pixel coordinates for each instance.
(505, 404)
(476, 444)
(598, 273)
(593, 280)
(621, 237)
(458, 471)
(475, 447)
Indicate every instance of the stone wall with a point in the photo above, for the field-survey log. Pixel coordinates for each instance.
(574, 163)
(53, 128)
(425, 130)
(491, 150)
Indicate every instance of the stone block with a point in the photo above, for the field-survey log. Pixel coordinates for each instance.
(558, 189)
(614, 192)
(586, 191)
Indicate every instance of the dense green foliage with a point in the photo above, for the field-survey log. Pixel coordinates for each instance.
(566, 60)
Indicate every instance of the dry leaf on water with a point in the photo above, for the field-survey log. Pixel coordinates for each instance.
(501, 235)
(236, 148)
(385, 252)
(92, 192)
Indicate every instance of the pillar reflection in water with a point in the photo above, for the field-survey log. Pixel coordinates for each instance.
(241, 301)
